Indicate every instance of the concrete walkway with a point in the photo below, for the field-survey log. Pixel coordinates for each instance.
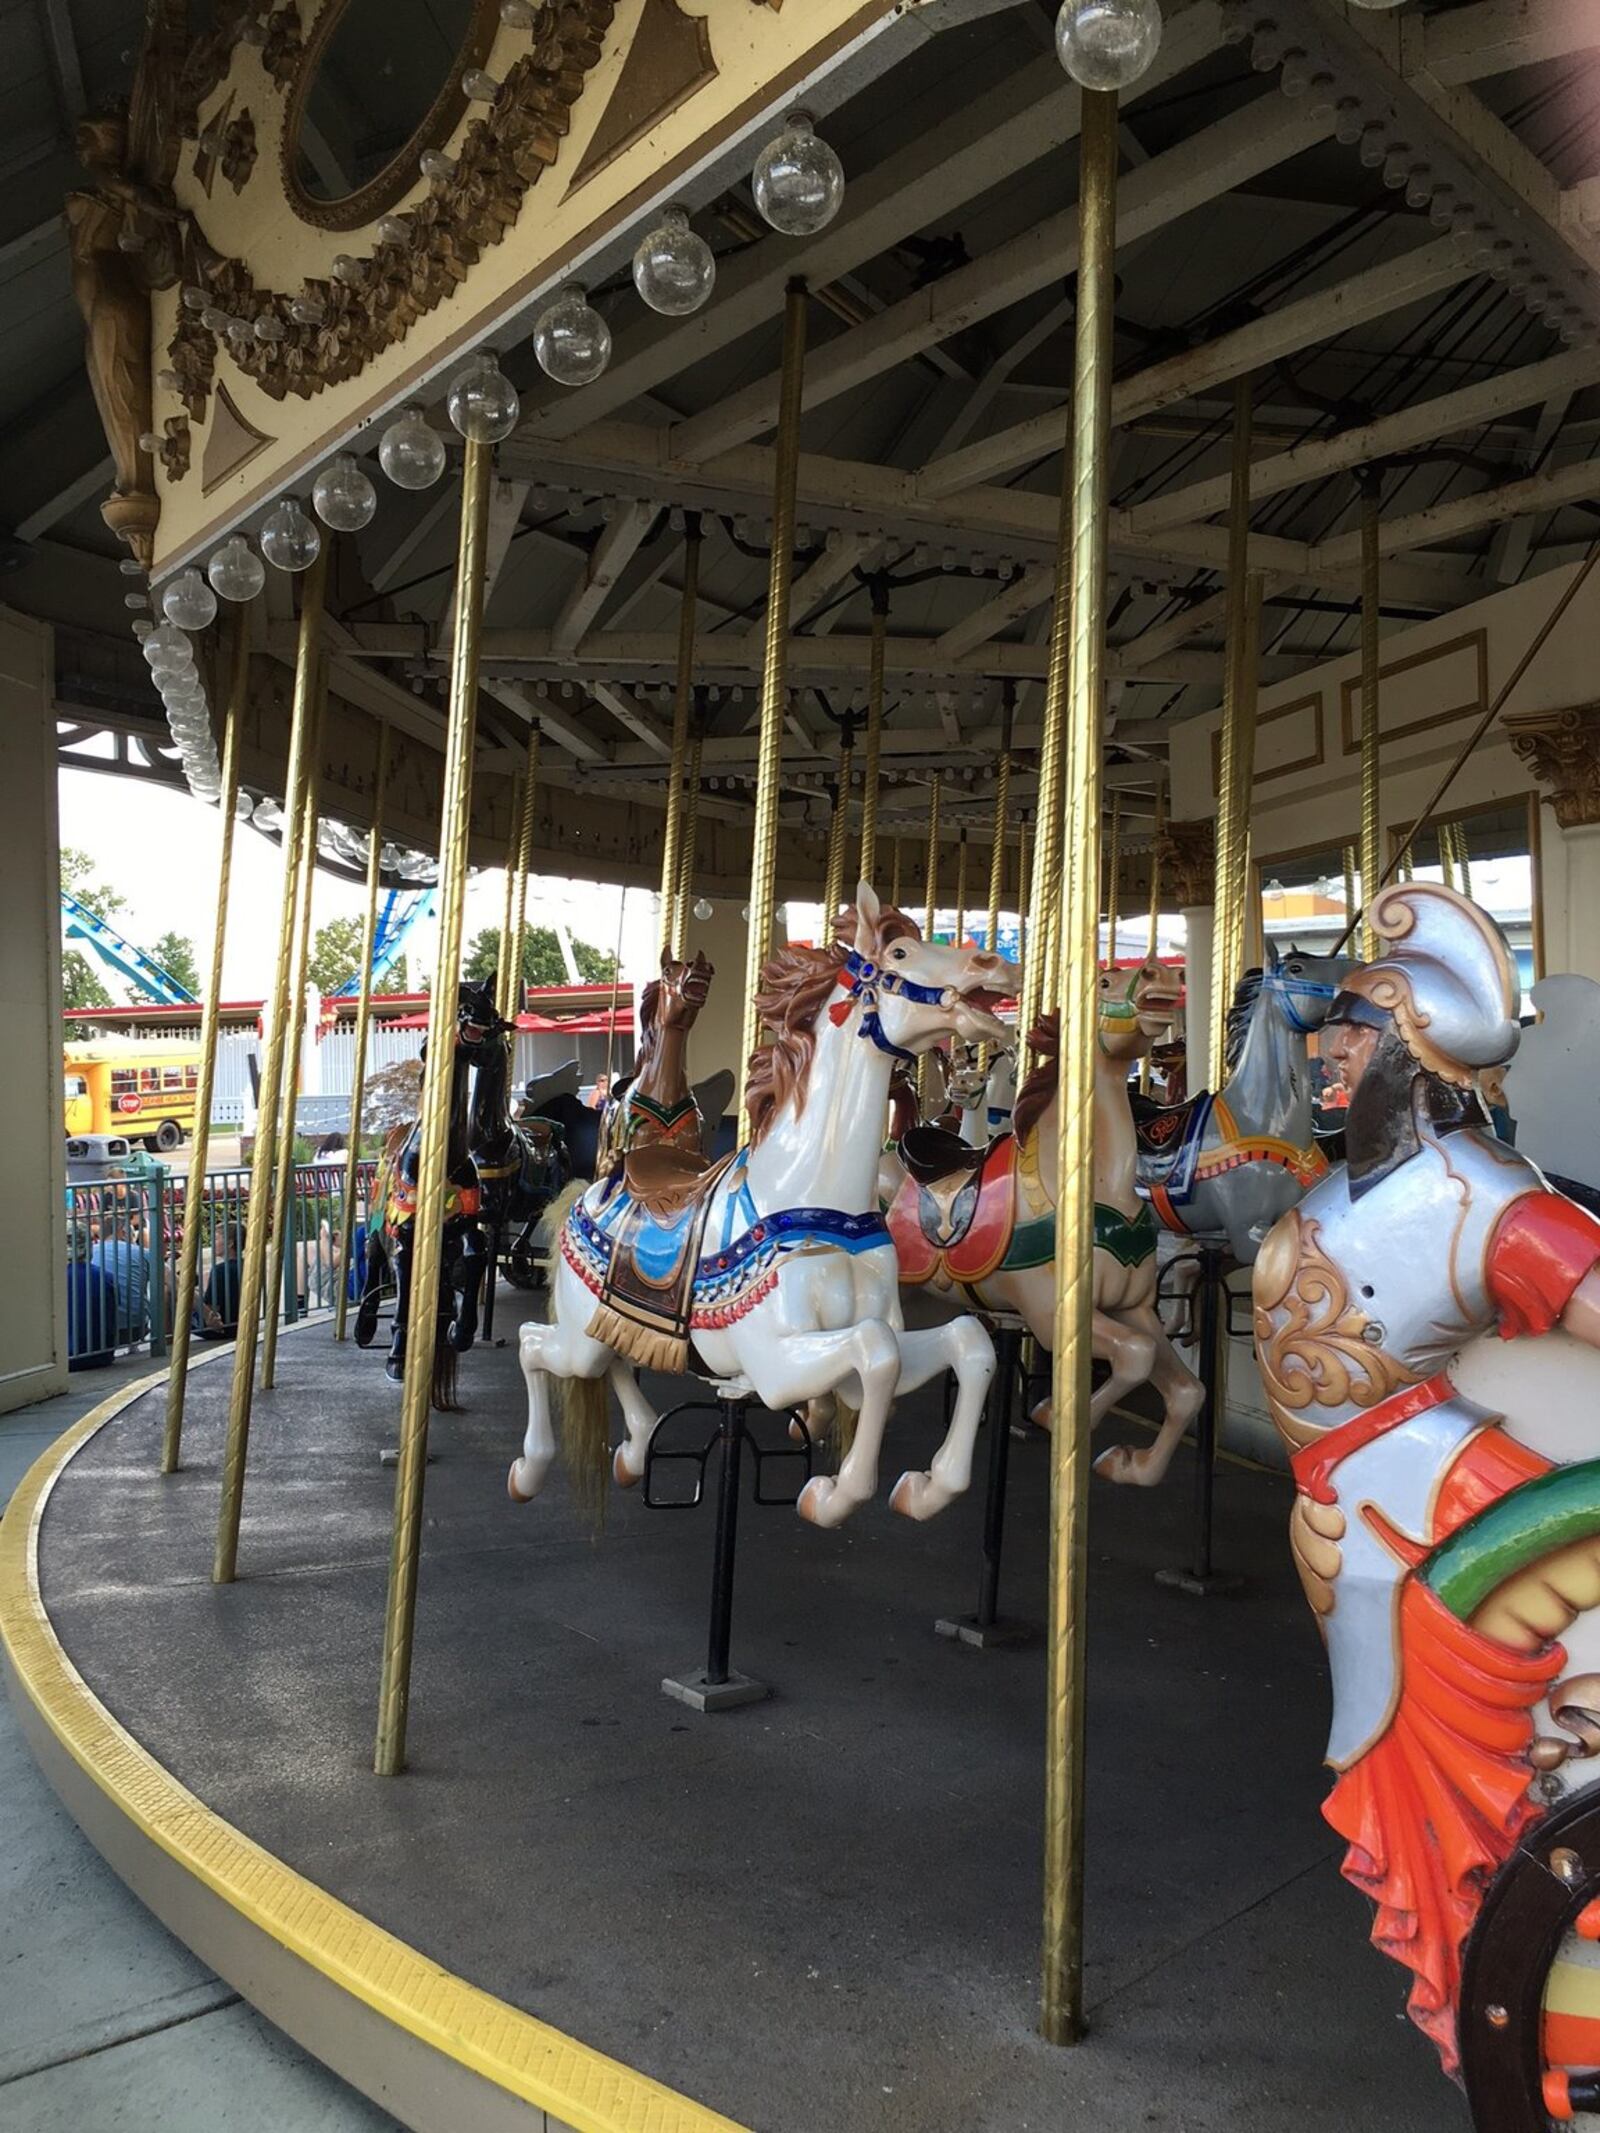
(106, 2021)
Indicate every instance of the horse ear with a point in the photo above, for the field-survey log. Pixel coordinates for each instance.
(1272, 955)
(868, 909)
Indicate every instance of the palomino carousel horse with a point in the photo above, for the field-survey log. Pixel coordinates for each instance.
(655, 1105)
(981, 1223)
(773, 1269)
(521, 1164)
(1228, 1165)
(390, 1239)
(1426, 1321)
(985, 1096)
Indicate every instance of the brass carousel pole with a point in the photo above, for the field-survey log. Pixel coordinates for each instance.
(961, 887)
(894, 872)
(1238, 743)
(252, 1273)
(1080, 625)
(1349, 881)
(421, 1339)
(283, 1186)
(1113, 877)
(682, 707)
(194, 1203)
(931, 884)
(1153, 939)
(839, 826)
(1371, 860)
(684, 901)
(1041, 954)
(358, 1073)
(774, 670)
(508, 905)
(1024, 926)
(869, 779)
(997, 850)
(511, 967)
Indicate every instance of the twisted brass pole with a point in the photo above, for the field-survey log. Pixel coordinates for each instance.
(774, 672)
(236, 1444)
(1463, 863)
(961, 887)
(1371, 858)
(358, 1071)
(997, 854)
(455, 824)
(894, 872)
(194, 1199)
(1024, 926)
(1237, 768)
(683, 903)
(508, 906)
(869, 779)
(1113, 878)
(1041, 959)
(931, 884)
(682, 706)
(838, 829)
(511, 969)
(1154, 938)
(1080, 621)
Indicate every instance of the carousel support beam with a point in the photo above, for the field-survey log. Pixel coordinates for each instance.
(613, 552)
(252, 1281)
(200, 1146)
(1471, 43)
(1085, 488)
(682, 708)
(774, 672)
(537, 705)
(870, 778)
(422, 1335)
(358, 1078)
(1545, 491)
(1371, 857)
(1237, 768)
(639, 722)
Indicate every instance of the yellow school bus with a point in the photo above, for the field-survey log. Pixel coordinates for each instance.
(144, 1090)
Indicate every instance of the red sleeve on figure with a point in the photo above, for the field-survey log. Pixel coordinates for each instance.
(1542, 1247)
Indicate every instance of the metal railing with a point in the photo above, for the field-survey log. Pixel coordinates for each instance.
(123, 1236)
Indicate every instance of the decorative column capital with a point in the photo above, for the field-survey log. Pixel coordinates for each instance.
(1188, 855)
(1562, 749)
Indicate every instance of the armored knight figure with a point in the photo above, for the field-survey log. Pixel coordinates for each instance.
(1420, 1529)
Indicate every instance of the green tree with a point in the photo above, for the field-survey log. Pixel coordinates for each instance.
(336, 953)
(397, 977)
(542, 960)
(81, 984)
(175, 953)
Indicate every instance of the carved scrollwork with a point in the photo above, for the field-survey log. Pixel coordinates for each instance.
(1562, 749)
(238, 157)
(1313, 1341)
(1188, 859)
(284, 45)
(175, 447)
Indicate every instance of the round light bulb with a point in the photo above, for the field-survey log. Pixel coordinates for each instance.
(674, 270)
(436, 166)
(244, 806)
(269, 328)
(189, 601)
(167, 649)
(1107, 44)
(268, 814)
(289, 540)
(236, 571)
(410, 451)
(483, 402)
(798, 181)
(1376, 7)
(571, 340)
(308, 310)
(702, 908)
(343, 496)
(480, 86)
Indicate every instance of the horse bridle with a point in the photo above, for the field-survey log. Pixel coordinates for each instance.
(864, 980)
(1276, 981)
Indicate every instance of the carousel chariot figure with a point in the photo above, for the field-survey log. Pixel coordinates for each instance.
(773, 1269)
(1447, 1537)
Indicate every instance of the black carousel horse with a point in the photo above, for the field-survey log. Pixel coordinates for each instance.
(390, 1236)
(521, 1163)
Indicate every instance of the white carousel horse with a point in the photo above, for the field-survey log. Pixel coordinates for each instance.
(985, 1097)
(982, 1223)
(776, 1265)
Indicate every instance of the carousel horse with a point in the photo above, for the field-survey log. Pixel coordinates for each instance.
(981, 1223)
(1228, 1165)
(521, 1163)
(984, 1096)
(655, 1104)
(772, 1270)
(390, 1238)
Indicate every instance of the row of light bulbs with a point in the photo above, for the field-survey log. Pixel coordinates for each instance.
(343, 841)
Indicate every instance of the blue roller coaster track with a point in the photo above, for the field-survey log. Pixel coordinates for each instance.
(398, 914)
(113, 953)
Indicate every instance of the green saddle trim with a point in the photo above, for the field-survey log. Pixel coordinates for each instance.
(1130, 1239)
(1532, 1521)
(663, 1114)
(1032, 1243)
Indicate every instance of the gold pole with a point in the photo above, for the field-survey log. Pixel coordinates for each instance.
(1458, 839)
(455, 821)
(1080, 620)
(511, 970)
(931, 884)
(1349, 881)
(838, 828)
(961, 887)
(774, 669)
(684, 902)
(1371, 859)
(1113, 878)
(997, 852)
(1153, 940)
(236, 1446)
(869, 780)
(894, 872)
(194, 1200)
(1024, 924)
(1447, 870)
(616, 991)
(1238, 744)
(682, 704)
(508, 908)
(283, 1186)
(1041, 960)
(358, 1076)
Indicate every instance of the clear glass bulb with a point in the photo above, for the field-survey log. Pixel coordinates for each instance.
(395, 229)
(480, 86)
(308, 310)
(236, 571)
(483, 401)
(268, 814)
(167, 649)
(289, 540)
(343, 496)
(1108, 44)
(347, 268)
(189, 601)
(702, 908)
(570, 338)
(436, 165)
(411, 452)
(269, 328)
(518, 14)
(798, 181)
(674, 270)
(1376, 7)
(244, 806)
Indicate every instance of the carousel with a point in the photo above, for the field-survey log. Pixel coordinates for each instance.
(1051, 1223)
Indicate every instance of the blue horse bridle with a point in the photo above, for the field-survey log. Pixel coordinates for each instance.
(1275, 981)
(864, 980)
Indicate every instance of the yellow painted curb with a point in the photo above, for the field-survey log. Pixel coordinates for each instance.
(526, 2057)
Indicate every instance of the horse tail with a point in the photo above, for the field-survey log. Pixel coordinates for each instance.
(586, 1445)
(554, 1219)
(443, 1394)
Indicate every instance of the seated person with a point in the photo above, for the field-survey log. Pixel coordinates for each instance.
(91, 1310)
(120, 1254)
(219, 1307)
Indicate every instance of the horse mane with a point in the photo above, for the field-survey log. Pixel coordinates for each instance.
(795, 985)
(1240, 1016)
(1038, 1089)
(647, 1011)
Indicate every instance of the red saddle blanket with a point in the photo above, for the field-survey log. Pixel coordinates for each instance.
(962, 1233)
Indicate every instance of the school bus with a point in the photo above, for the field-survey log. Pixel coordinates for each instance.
(144, 1090)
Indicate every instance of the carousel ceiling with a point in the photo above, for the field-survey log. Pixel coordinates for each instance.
(1387, 223)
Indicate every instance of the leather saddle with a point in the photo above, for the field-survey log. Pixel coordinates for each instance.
(934, 1154)
(667, 1179)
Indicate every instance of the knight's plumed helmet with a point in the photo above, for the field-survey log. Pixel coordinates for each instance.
(1447, 980)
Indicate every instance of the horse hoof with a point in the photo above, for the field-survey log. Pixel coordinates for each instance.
(1118, 1463)
(917, 1496)
(621, 1473)
(517, 1495)
(395, 1372)
(820, 1503)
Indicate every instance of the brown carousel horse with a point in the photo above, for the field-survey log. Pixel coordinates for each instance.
(656, 1105)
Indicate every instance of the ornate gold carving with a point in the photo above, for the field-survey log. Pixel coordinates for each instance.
(1311, 1340)
(668, 60)
(238, 157)
(1562, 749)
(175, 448)
(281, 52)
(1189, 861)
(501, 156)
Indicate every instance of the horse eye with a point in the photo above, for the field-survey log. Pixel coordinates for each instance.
(899, 954)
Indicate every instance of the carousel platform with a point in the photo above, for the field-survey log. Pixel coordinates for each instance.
(585, 1906)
